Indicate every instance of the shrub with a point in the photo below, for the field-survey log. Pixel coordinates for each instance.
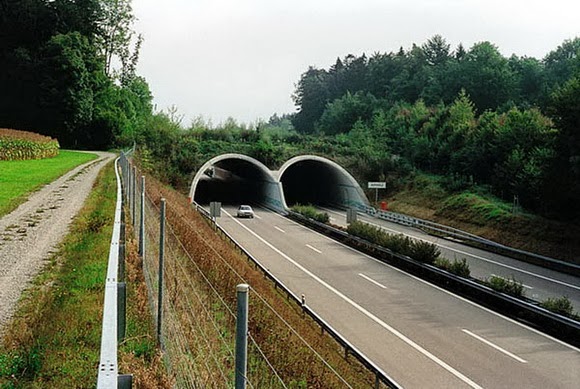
(561, 306)
(400, 244)
(310, 212)
(459, 268)
(506, 285)
(424, 251)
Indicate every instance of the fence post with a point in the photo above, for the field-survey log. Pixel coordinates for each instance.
(161, 257)
(241, 336)
(142, 221)
(121, 276)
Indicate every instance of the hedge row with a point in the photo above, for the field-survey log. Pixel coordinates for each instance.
(21, 145)
(311, 212)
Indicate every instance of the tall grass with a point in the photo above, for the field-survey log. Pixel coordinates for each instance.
(19, 178)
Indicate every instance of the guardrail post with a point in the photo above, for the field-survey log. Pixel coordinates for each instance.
(242, 336)
(121, 310)
(125, 381)
(142, 224)
(122, 246)
(134, 195)
(161, 257)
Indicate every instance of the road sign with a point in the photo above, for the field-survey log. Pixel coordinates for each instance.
(215, 209)
(377, 185)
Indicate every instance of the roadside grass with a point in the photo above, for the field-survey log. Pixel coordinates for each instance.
(54, 339)
(19, 178)
(477, 211)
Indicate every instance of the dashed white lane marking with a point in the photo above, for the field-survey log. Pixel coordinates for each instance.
(474, 256)
(515, 322)
(373, 281)
(314, 249)
(495, 346)
(279, 229)
(374, 318)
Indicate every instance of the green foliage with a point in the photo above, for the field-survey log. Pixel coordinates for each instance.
(421, 251)
(560, 305)
(56, 76)
(310, 212)
(457, 267)
(506, 285)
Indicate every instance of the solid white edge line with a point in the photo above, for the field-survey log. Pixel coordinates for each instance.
(279, 229)
(374, 318)
(475, 256)
(314, 249)
(373, 281)
(495, 346)
(537, 332)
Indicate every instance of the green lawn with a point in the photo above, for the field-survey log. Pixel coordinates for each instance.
(19, 178)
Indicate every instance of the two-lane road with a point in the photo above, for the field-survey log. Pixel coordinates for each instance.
(419, 334)
(539, 283)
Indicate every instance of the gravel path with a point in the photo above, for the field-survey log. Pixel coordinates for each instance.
(30, 234)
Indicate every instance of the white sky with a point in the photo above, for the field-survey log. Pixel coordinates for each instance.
(242, 58)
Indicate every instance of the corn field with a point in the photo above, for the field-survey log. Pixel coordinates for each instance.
(20, 145)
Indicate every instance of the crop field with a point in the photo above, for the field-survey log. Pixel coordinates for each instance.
(19, 178)
(22, 145)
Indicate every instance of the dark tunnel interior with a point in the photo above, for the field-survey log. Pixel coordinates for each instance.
(232, 181)
(311, 182)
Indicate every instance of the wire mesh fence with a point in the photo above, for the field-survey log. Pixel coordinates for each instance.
(197, 327)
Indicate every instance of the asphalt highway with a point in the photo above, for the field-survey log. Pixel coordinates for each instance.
(539, 283)
(420, 334)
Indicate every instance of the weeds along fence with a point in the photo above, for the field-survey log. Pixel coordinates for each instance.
(195, 306)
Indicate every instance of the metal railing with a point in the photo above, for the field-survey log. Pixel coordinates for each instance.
(349, 348)
(114, 302)
(524, 310)
(478, 241)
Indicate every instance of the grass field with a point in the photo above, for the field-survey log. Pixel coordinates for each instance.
(20, 178)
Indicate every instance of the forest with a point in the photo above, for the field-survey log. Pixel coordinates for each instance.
(67, 69)
(507, 125)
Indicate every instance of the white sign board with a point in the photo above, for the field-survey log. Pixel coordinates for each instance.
(377, 185)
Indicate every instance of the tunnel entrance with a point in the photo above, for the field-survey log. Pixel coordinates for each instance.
(311, 182)
(315, 180)
(235, 179)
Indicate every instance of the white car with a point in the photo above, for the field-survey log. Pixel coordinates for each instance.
(245, 211)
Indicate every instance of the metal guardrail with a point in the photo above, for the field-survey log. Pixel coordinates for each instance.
(446, 231)
(524, 310)
(108, 374)
(380, 375)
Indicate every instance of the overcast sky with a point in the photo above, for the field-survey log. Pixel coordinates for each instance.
(242, 58)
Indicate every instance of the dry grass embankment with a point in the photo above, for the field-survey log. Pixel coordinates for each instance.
(488, 217)
(212, 267)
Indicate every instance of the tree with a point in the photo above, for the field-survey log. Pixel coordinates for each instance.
(436, 50)
(116, 31)
(311, 97)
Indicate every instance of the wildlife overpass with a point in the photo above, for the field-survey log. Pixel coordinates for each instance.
(305, 179)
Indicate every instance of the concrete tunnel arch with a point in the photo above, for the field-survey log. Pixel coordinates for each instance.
(318, 180)
(237, 178)
(306, 179)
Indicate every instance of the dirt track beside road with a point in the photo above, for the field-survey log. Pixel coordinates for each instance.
(30, 234)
